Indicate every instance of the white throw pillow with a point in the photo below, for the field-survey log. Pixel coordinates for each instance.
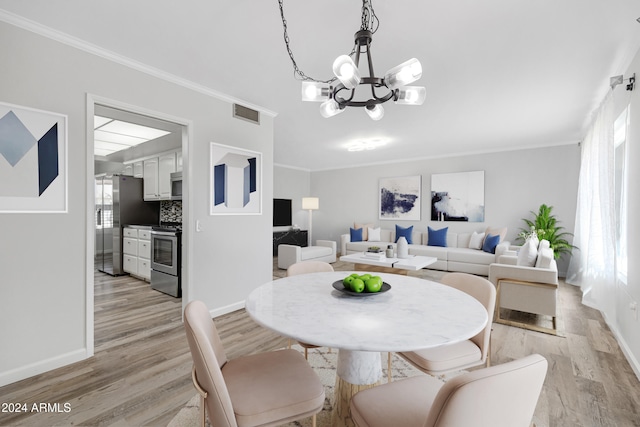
(364, 227)
(528, 254)
(545, 256)
(476, 240)
(373, 234)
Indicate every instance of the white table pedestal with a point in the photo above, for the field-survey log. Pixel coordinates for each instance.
(356, 371)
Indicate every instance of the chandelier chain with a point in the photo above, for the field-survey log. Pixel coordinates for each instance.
(370, 19)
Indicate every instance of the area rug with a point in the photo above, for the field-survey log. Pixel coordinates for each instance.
(324, 363)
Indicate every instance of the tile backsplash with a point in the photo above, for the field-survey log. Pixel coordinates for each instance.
(171, 211)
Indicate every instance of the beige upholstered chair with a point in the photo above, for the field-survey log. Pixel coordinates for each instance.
(500, 396)
(527, 288)
(263, 389)
(466, 354)
(306, 267)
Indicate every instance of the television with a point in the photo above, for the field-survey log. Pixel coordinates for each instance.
(282, 212)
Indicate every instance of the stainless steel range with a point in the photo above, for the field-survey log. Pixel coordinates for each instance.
(166, 258)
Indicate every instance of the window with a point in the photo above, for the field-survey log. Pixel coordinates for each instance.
(620, 182)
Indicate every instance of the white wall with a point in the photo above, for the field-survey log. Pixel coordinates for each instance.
(43, 263)
(625, 323)
(293, 183)
(516, 182)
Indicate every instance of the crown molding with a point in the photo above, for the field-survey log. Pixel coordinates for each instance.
(69, 40)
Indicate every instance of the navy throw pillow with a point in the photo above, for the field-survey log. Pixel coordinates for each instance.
(356, 234)
(437, 237)
(406, 232)
(490, 243)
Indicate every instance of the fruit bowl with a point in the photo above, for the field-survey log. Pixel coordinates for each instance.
(339, 286)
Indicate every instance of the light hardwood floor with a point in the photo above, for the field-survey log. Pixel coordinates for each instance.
(140, 374)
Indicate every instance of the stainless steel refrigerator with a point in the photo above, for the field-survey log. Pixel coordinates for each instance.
(119, 202)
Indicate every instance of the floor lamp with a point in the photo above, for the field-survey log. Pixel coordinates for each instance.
(311, 204)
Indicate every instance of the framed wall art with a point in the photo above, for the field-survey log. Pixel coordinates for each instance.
(400, 198)
(457, 196)
(236, 181)
(33, 160)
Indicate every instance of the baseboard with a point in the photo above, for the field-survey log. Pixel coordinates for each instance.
(227, 309)
(635, 364)
(42, 366)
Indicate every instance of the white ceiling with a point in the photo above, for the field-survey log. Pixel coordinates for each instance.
(500, 74)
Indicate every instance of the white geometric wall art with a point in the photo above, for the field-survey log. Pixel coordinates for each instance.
(457, 196)
(33, 160)
(236, 181)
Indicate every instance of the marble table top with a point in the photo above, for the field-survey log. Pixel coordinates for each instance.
(415, 314)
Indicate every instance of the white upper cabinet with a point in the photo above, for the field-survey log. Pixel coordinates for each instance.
(167, 167)
(157, 176)
(150, 176)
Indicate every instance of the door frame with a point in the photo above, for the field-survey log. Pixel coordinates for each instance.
(187, 136)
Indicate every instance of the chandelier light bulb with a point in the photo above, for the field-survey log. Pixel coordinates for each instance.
(315, 92)
(346, 71)
(403, 74)
(411, 95)
(329, 108)
(376, 112)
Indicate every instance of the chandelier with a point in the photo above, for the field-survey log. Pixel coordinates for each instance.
(340, 92)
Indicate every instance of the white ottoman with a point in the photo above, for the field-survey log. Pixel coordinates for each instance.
(325, 250)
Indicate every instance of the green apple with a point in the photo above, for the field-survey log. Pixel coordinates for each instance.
(347, 281)
(357, 285)
(365, 277)
(373, 285)
(356, 275)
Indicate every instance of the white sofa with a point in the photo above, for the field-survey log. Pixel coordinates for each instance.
(457, 256)
(324, 250)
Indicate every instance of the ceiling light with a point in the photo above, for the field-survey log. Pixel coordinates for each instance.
(364, 145)
(341, 90)
(111, 135)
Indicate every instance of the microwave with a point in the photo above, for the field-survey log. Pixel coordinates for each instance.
(176, 186)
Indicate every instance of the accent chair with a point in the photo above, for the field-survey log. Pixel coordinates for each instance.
(499, 396)
(466, 354)
(265, 389)
(306, 267)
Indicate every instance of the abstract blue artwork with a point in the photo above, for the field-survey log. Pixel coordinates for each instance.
(235, 181)
(457, 196)
(33, 160)
(400, 198)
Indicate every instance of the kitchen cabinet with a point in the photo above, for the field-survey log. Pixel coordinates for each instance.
(150, 176)
(166, 166)
(138, 169)
(179, 161)
(136, 250)
(157, 176)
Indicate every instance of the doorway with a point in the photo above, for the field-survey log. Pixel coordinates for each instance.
(115, 143)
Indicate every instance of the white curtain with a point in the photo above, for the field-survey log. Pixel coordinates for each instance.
(593, 265)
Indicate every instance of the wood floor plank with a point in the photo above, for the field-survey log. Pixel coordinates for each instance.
(140, 374)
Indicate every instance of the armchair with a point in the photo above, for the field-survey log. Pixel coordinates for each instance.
(530, 289)
(324, 250)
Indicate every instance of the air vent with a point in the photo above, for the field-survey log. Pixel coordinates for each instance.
(245, 113)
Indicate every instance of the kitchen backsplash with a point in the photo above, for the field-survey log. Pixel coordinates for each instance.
(171, 211)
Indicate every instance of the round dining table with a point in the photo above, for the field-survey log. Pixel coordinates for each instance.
(413, 314)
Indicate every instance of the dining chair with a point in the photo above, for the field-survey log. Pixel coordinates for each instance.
(499, 396)
(475, 351)
(264, 389)
(306, 267)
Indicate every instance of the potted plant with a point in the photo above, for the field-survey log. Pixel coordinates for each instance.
(544, 225)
